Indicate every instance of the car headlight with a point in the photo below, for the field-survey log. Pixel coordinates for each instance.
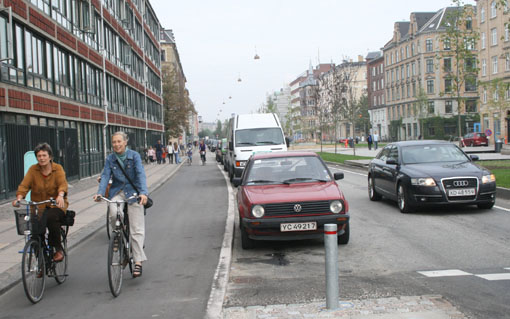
(488, 178)
(336, 206)
(423, 181)
(257, 211)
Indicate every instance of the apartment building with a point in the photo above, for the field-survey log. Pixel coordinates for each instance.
(375, 94)
(416, 74)
(494, 75)
(72, 72)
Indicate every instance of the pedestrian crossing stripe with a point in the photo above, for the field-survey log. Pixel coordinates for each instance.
(458, 272)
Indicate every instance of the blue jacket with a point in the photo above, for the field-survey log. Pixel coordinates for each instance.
(133, 167)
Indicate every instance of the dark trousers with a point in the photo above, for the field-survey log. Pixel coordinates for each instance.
(369, 145)
(54, 218)
(158, 156)
(170, 158)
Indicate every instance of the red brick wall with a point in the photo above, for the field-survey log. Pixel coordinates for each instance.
(42, 104)
(68, 109)
(18, 7)
(20, 100)
(43, 23)
(98, 115)
(85, 113)
(2, 97)
(66, 38)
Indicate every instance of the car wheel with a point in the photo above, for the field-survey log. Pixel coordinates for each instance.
(403, 200)
(246, 241)
(486, 205)
(372, 194)
(344, 238)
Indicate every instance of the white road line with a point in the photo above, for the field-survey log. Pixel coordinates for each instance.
(504, 276)
(351, 172)
(502, 208)
(445, 273)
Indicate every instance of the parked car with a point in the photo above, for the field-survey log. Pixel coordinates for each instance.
(289, 196)
(218, 152)
(476, 139)
(422, 173)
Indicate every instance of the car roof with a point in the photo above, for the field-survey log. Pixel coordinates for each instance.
(420, 142)
(283, 154)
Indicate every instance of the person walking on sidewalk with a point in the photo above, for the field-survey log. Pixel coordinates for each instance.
(369, 141)
(376, 139)
(47, 180)
(128, 161)
(176, 153)
(170, 152)
(159, 151)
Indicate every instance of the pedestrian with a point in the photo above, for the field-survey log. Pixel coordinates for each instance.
(159, 151)
(120, 165)
(375, 138)
(176, 152)
(170, 152)
(369, 141)
(152, 154)
(181, 146)
(163, 155)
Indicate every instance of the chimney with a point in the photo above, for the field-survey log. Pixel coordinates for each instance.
(360, 58)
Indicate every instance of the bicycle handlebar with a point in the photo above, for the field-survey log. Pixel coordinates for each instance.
(117, 201)
(31, 203)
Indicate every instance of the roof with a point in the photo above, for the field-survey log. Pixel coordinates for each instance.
(373, 55)
(167, 36)
(284, 154)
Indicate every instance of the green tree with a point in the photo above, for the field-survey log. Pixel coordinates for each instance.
(205, 132)
(459, 43)
(218, 131)
(420, 108)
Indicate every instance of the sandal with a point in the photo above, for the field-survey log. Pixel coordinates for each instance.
(137, 271)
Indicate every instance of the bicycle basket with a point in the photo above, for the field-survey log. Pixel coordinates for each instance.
(37, 224)
(69, 218)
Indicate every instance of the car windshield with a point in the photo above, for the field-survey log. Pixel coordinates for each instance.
(259, 136)
(287, 170)
(432, 153)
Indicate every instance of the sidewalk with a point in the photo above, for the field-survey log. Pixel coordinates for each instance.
(90, 217)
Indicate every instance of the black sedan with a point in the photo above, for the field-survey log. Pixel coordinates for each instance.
(420, 173)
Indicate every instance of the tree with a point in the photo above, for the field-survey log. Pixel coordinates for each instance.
(496, 92)
(420, 108)
(218, 132)
(459, 56)
(363, 120)
(176, 102)
(205, 132)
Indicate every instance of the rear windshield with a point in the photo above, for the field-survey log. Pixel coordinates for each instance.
(259, 136)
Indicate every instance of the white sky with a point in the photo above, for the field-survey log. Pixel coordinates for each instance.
(217, 40)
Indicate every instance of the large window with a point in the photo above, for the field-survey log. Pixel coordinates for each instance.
(430, 65)
(448, 108)
(63, 65)
(431, 108)
(470, 83)
(38, 61)
(430, 86)
(428, 45)
(13, 70)
(471, 106)
(447, 64)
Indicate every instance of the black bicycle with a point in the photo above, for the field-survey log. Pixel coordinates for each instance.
(38, 254)
(119, 248)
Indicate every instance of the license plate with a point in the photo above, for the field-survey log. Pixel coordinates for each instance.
(298, 226)
(462, 192)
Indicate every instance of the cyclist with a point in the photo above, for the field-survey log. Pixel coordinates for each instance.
(190, 153)
(201, 149)
(47, 180)
(121, 188)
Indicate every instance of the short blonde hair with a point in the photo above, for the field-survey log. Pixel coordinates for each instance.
(125, 137)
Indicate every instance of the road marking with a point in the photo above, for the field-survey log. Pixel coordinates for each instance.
(504, 276)
(502, 208)
(445, 273)
(351, 172)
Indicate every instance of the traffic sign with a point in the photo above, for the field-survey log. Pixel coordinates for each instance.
(488, 132)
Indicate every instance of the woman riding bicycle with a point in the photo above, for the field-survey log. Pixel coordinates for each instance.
(47, 180)
(121, 189)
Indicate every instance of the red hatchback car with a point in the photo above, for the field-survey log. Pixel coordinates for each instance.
(289, 196)
(475, 139)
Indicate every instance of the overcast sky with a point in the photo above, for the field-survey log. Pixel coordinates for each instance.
(217, 40)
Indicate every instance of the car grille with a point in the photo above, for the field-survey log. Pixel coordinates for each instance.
(460, 183)
(288, 208)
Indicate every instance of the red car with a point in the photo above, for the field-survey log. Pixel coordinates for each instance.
(475, 139)
(289, 196)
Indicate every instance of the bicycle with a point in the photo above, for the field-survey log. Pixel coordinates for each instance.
(202, 157)
(119, 248)
(37, 257)
(190, 154)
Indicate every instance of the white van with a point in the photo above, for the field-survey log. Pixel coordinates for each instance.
(249, 134)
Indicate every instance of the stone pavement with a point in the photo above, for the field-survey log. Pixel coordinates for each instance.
(412, 307)
(90, 217)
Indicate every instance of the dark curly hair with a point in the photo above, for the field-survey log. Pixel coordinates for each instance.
(43, 147)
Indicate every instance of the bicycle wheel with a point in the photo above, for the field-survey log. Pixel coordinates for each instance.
(33, 271)
(115, 263)
(108, 226)
(61, 266)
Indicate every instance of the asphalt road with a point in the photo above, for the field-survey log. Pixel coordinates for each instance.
(184, 235)
(386, 252)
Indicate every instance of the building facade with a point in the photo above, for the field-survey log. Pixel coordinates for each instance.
(71, 73)
(375, 94)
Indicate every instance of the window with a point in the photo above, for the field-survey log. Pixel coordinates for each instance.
(448, 85)
(471, 106)
(493, 9)
(428, 45)
(484, 95)
(412, 49)
(64, 76)
(431, 108)
(413, 67)
(430, 86)
(494, 64)
(469, 23)
(446, 44)
(494, 36)
(495, 95)
(430, 65)
(448, 108)
(482, 40)
(470, 83)
(470, 44)
(484, 67)
(38, 60)
(482, 15)
(447, 64)
(507, 36)
(507, 62)
(408, 73)
(470, 64)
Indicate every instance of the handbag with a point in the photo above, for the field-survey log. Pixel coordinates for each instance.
(149, 202)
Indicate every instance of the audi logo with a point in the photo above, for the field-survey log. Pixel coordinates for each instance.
(460, 183)
(297, 208)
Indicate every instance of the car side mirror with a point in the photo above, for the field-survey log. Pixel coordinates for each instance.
(236, 181)
(338, 176)
(230, 146)
(474, 157)
(391, 161)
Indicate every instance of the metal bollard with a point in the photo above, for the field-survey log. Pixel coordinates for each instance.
(331, 246)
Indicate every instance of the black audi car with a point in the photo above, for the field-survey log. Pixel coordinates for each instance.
(419, 173)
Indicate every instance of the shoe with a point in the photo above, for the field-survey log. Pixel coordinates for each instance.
(40, 274)
(58, 256)
(115, 244)
(137, 271)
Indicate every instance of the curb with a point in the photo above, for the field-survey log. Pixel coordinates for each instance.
(11, 277)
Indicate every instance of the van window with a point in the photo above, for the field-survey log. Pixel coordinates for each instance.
(259, 136)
